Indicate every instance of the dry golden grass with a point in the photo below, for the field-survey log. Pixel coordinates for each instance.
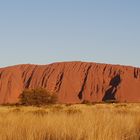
(76, 122)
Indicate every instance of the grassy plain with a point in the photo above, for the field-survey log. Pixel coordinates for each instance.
(71, 122)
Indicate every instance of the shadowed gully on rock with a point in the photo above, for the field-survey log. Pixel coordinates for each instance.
(74, 82)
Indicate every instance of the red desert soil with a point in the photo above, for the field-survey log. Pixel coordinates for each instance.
(73, 81)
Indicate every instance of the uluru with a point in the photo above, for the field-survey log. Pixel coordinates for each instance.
(74, 82)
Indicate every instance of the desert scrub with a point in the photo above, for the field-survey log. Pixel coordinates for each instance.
(39, 112)
(72, 111)
(15, 110)
(75, 122)
(37, 97)
(56, 108)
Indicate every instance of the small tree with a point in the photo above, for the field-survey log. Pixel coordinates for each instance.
(37, 96)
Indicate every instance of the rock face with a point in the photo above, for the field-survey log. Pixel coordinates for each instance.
(74, 82)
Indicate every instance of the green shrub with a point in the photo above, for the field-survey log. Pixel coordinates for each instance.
(37, 97)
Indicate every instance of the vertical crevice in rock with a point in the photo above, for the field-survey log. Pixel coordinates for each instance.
(24, 73)
(97, 88)
(136, 73)
(27, 84)
(110, 70)
(59, 82)
(104, 69)
(43, 77)
(80, 95)
(48, 77)
(0, 75)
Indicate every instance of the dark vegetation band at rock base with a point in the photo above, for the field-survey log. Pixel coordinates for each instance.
(40, 97)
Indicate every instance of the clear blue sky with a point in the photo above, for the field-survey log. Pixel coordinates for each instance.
(46, 31)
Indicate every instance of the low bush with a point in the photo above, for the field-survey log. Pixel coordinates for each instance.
(37, 97)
